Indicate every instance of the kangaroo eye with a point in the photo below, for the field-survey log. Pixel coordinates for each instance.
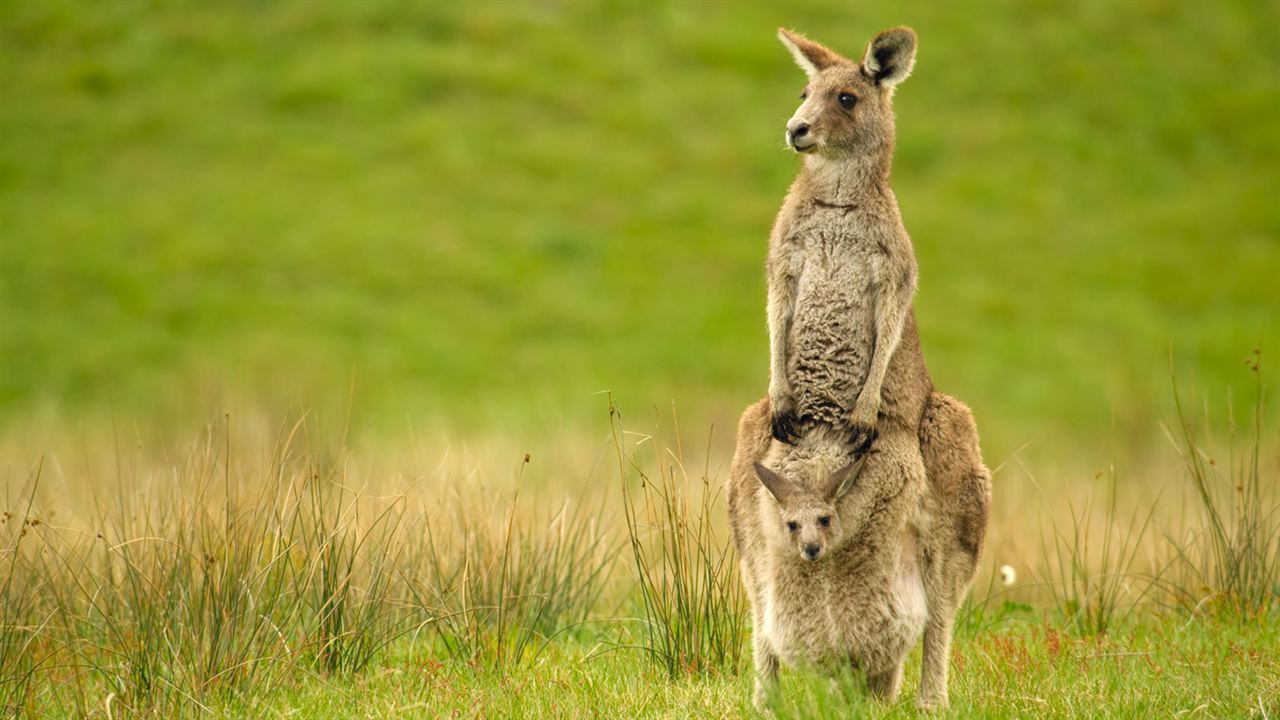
(824, 520)
(793, 526)
(804, 94)
(847, 100)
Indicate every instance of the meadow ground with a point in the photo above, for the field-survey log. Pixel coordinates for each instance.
(270, 571)
(446, 228)
(1161, 667)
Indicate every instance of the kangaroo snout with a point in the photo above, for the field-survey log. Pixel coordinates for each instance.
(798, 135)
(812, 551)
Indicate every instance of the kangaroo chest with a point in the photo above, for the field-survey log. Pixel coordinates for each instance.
(836, 267)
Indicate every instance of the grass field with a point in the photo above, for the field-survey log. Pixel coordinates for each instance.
(1158, 668)
(308, 311)
(269, 572)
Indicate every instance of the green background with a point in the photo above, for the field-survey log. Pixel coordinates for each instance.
(489, 212)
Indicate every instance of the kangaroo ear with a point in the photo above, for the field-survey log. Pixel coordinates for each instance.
(890, 56)
(842, 480)
(777, 485)
(809, 55)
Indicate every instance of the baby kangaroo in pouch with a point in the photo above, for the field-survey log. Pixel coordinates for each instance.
(809, 514)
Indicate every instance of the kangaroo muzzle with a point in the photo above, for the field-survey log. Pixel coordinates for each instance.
(799, 137)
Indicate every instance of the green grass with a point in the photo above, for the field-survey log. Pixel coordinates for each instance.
(1159, 667)
(1156, 669)
(490, 211)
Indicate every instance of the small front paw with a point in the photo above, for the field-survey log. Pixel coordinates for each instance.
(785, 427)
(866, 411)
(861, 437)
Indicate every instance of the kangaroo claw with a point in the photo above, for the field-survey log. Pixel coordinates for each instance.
(861, 438)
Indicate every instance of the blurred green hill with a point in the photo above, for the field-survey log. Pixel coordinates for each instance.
(500, 208)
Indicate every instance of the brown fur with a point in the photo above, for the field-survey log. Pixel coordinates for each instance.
(846, 368)
(841, 270)
(855, 603)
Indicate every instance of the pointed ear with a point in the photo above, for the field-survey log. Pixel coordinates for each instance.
(842, 480)
(777, 485)
(809, 55)
(890, 56)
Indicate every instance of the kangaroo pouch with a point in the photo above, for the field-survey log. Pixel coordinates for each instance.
(815, 614)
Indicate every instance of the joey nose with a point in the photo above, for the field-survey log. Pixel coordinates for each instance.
(811, 552)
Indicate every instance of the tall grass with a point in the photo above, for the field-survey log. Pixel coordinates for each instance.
(226, 579)
(498, 595)
(200, 582)
(1232, 558)
(205, 580)
(351, 578)
(694, 609)
(1093, 583)
(21, 619)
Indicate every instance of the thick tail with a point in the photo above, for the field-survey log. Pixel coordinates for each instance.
(958, 478)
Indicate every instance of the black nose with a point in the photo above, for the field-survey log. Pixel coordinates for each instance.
(811, 551)
(800, 130)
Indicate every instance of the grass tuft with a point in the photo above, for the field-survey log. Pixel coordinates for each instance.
(1094, 583)
(1232, 560)
(694, 609)
(498, 593)
(22, 654)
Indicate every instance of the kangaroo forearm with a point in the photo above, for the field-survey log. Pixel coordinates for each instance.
(780, 310)
(891, 316)
(888, 333)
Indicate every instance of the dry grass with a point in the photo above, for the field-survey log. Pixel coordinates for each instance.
(164, 576)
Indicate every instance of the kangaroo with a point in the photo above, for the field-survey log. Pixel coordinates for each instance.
(841, 270)
(844, 561)
(851, 408)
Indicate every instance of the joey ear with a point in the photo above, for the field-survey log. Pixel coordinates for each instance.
(777, 485)
(809, 55)
(842, 480)
(890, 56)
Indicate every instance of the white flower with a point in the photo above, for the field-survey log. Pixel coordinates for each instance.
(1008, 575)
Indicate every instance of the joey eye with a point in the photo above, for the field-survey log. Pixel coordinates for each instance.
(824, 521)
(793, 526)
(847, 100)
(804, 94)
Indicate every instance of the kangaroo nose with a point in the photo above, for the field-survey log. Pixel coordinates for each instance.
(812, 551)
(800, 130)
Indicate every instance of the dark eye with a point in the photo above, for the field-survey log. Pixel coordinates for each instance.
(824, 520)
(793, 526)
(804, 94)
(847, 101)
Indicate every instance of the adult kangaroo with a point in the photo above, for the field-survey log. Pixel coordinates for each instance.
(858, 497)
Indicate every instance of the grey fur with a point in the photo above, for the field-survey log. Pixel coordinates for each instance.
(897, 545)
(895, 562)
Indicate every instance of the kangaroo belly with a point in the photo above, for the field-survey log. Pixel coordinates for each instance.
(832, 335)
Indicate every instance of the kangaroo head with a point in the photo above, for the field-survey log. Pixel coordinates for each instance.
(846, 107)
(807, 508)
